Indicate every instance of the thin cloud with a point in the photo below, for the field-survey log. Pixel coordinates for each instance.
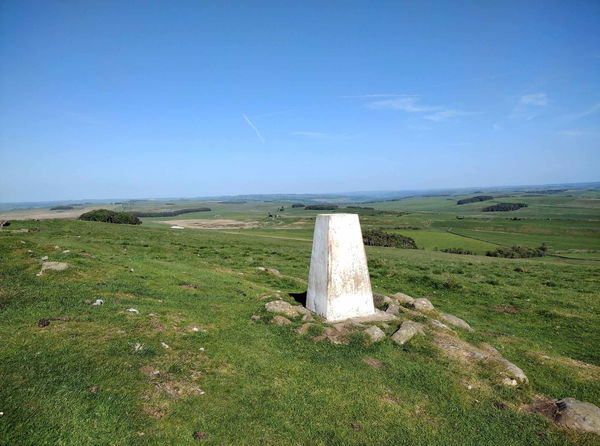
(446, 114)
(590, 111)
(540, 99)
(411, 104)
(253, 127)
(529, 106)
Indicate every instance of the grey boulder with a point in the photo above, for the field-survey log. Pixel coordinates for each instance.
(407, 330)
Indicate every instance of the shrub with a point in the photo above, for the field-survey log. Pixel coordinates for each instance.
(458, 251)
(61, 208)
(298, 205)
(170, 213)
(106, 216)
(377, 237)
(321, 207)
(504, 207)
(518, 252)
(474, 199)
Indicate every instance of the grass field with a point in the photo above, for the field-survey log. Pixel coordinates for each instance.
(192, 360)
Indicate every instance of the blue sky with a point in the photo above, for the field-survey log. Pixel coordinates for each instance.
(187, 98)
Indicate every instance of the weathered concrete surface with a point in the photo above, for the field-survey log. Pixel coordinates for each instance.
(338, 282)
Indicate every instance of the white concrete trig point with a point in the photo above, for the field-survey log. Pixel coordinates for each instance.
(339, 286)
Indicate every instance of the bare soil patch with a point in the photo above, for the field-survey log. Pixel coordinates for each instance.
(213, 224)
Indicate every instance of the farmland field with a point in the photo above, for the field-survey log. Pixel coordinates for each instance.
(192, 359)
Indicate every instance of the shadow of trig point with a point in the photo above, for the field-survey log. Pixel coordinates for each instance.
(338, 282)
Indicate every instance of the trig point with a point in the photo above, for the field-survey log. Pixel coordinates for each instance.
(338, 282)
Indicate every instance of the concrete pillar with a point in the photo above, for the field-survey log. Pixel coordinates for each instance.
(338, 283)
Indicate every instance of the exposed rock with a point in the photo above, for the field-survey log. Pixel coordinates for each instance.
(269, 270)
(375, 333)
(456, 348)
(98, 302)
(403, 299)
(577, 415)
(512, 370)
(280, 320)
(44, 258)
(376, 363)
(411, 312)
(456, 321)
(53, 266)
(133, 310)
(255, 317)
(379, 300)
(423, 304)
(308, 317)
(393, 309)
(510, 382)
(437, 324)
(378, 316)
(569, 413)
(406, 331)
(283, 307)
(303, 329)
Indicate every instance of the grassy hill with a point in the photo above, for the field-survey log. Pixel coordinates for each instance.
(192, 359)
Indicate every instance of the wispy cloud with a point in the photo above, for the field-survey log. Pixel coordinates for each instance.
(253, 127)
(590, 111)
(529, 105)
(411, 104)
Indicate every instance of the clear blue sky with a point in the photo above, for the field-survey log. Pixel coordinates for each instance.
(186, 98)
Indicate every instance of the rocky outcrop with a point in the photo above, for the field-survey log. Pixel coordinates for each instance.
(53, 266)
(283, 307)
(375, 333)
(423, 304)
(456, 321)
(406, 332)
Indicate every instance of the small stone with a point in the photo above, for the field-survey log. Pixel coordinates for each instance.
(407, 330)
(303, 329)
(133, 310)
(379, 300)
(201, 349)
(280, 320)
(93, 389)
(512, 370)
(66, 251)
(375, 333)
(53, 266)
(356, 427)
(393, 309)
(164, 345)
(423, 304)
(98, 302)
(308, 317)
(437, 324)
(456, 321)
(255, 317)
(403, 299)
(281, 306)
(510, 382)
(131, 270)
(578, 415)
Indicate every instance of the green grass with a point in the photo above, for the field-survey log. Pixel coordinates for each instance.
(266, 384)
